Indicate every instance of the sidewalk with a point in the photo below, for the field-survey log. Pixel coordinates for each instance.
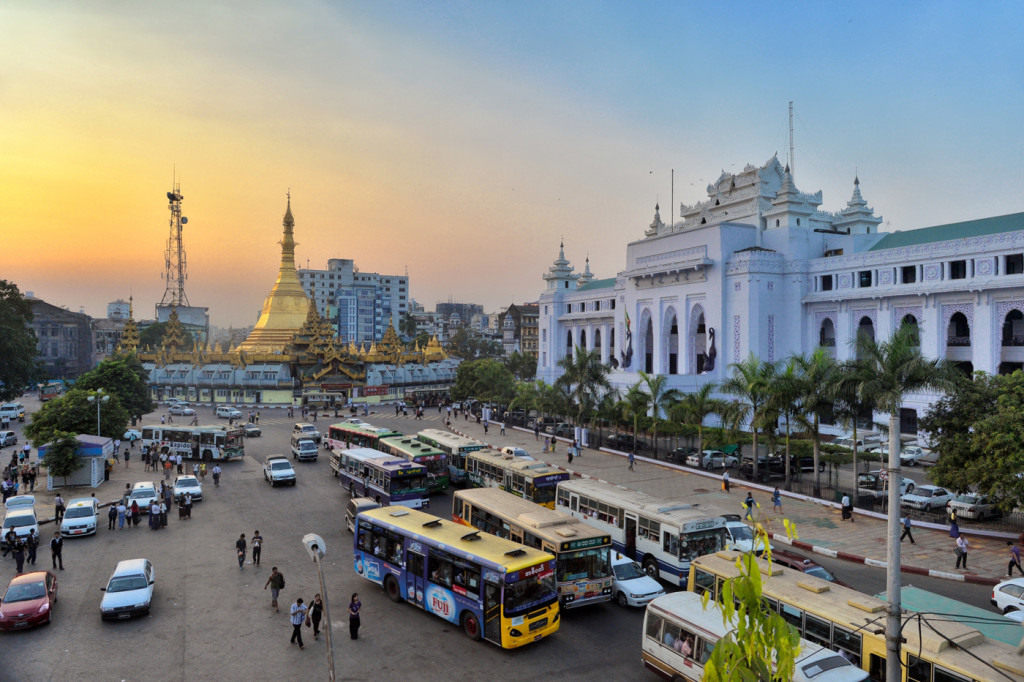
(818, 524)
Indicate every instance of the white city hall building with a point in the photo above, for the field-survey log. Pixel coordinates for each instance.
(759, 268)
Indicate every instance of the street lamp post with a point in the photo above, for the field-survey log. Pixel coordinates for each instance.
(100, 397)
(316, 548)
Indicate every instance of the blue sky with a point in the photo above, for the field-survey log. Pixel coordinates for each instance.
(462, 140)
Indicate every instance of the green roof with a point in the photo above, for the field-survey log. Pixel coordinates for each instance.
(942, 233)
(598, 284)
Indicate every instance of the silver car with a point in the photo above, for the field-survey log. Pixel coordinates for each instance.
(973, 506)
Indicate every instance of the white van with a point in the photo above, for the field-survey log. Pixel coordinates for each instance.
(356, 505)
(679, 634)
(228, 412)
(304, 448)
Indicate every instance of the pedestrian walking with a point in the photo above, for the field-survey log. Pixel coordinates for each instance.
(216, 475)
(906, 530)
(111, 516)
(163, 513)
(632, 461)
(298, 618)
(136, 513)
(56, 550)
(725, 482)
(353, 615)
(749, 504)
(502, 432)
(777, 500)
(177, 460)
(58, 509)
(121, 511)
(961, 551)
(167, 469)
(316, 613)
(554, 441)
(568, 455)
(276, 583)
(19, 556)
(257, 548)
(241, 545)
(547, 443)
(536, 430)
(117, 447)
(202, 472)
(195, 469)
(485, 427)
(1014, 559)
(10, 537)
(128, 513)
(32, 544)
(847, 509)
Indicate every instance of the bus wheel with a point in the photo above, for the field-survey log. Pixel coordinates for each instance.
(471, 625)
(207, 456)
(651, 567)
(391, 588)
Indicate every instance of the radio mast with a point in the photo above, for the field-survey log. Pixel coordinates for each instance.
(174, 256)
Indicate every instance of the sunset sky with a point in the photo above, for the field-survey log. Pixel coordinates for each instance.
(462, 140)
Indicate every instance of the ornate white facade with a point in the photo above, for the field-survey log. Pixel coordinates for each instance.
(759, 268)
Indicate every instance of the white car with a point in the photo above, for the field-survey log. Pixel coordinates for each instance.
(277, 469)
(353, 420)
(183, 410)
(632, 587)
(144, 492)
(972, 506)
(517, 452)
(927, 498)
(1008, 595)
(132, 434)
(226, 412)
(714, 459)
(129, 592)
(21, 520)
(912, 455)
(80, 517)
(188, 484)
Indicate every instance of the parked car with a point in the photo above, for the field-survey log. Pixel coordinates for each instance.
(188, 484)
(561, 429)
(28, 601)
(740, 537)
(927, 498)
(132, 434)
(768, 468)
(873, 484)
(277, 469)
(912, 455)
(972, 506)
(129, 592)
(623, 441)
(517, 452)
(8, 438)
(228, 412)
(252, 430)
(173, 401)
(183, 410)
(799, 562)
(713, 459)
(631, 584)
(20, 516)
(1008, 595)
(80, 518)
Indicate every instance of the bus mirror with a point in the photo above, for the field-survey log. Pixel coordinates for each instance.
(314, 545)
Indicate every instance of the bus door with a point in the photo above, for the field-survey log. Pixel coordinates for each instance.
(630, 535)
(492, 612)
(415, 569)
(574, 501)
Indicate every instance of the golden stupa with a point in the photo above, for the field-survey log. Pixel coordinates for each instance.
(286, 307)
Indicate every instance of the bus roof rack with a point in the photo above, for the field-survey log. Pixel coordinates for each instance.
(400, 512)
(515, 552)
(431, 524)
(475, 535)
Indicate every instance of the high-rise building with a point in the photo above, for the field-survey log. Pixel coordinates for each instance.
(324, 288)
(363, 313)
(118, 310)
(64, 339)
(519, 328)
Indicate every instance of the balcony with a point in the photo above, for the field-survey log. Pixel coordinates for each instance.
(960, 341)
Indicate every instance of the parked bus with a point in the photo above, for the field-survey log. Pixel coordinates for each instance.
(346, 435)
(664, 536)
(532, 480)
(583, 563)
(492, 588)
(679, 634)
(941, 648)
(207, 443)
(456, 447)
(432, 459)
(384, 478)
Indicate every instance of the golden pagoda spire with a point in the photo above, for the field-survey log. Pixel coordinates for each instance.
(287, 306)
(129, 342)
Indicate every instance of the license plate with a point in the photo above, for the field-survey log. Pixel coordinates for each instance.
(20, 623)
(77, 532)
(124, 616)
(538, 637)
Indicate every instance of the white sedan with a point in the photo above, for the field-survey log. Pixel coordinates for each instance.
(713, 459)
(183, 410)
(912, 455)
(1008, 595)
(129, 592)
(631, 585)
(190, 485)
(927, 498)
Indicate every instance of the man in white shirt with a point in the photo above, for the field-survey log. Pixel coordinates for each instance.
(298, 617)
(177, 461)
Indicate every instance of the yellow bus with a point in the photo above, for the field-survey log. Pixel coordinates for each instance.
(583, 573)
(532, 480)
(938, 649)
(492, 588)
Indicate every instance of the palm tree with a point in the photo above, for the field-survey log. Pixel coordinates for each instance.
(584, 379)
(522, 365)
(751, 382)
(634, 404)
(818, 375)
(608, 410)
(659, 398)
(785, 401)
(891, 370)
(849, 402)
(694, 408)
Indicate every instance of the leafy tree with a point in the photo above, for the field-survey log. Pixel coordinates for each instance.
(407, 326)
(659, 397)
(18, 347)
(819, 373)
(73, 413)
(152, 337)
(125, 377)
(849, 403)
(892, 369)
(584, 378)
(785, 401)
(696, 407)
(60, 459)
(527, 396)
(522, 365)
(554, 400)
(421, 339)
(486, 379)
(751, 382)
(634, 406)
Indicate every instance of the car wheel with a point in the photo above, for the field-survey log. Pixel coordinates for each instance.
(1010, 609)
(621, 598)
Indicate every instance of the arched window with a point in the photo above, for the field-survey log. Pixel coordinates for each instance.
(672, 341)
(865, 330)
(1013, 329)
(649, 346)
(827, 334)
(697, 341)
(568, 342)
(583, 339)
(911, 322)
(597, 340)
(959, 331)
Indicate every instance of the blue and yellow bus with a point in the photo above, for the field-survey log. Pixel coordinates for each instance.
(494, 589)
(456, 447)
(384, 478)
(435, 461)
(529, 479)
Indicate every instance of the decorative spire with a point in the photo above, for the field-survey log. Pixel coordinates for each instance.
(129, 342)
(560, 270)
(656, 225)
(587, 275)
(856, 201)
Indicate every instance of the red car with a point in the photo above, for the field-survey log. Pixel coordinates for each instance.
(28, 601)
(799, 562)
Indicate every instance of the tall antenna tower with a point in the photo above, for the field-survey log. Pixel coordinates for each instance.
(174, 256)
(792, 158)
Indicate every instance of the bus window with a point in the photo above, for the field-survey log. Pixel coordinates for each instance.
(942, 675)
(654, 626)
(847, 641)
(793, 616)
(395, 551)
(671, 543)
(457, 507)
(702, 651)
(918, 670)
(440, 571)
(818, 630)
(704, 581)
(414, 564)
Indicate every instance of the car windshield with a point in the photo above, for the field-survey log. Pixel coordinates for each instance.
(820, 572)
(143, 494)
(19, 521)
(924, 492)
(78, 512)
(967, 499)
(127, 583)
(25, 592)
(280, 465)
(629, 571)
(741, 533)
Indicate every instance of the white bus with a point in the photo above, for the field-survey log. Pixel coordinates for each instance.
(664, 536)
(207, 443)
(679, 635)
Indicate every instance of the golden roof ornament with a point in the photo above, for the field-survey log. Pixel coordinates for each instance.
(174, 334)
(129, 342)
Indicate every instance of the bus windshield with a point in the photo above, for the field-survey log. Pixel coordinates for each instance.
(404, 485)
(700, 543)
(530, 593)
(582, 565)
(544, 494)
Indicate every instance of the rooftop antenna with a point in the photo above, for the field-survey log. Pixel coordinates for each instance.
(792, 158)
(672, 202)
(175, 261)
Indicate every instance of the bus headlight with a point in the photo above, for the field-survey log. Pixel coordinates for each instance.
(515, 633)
